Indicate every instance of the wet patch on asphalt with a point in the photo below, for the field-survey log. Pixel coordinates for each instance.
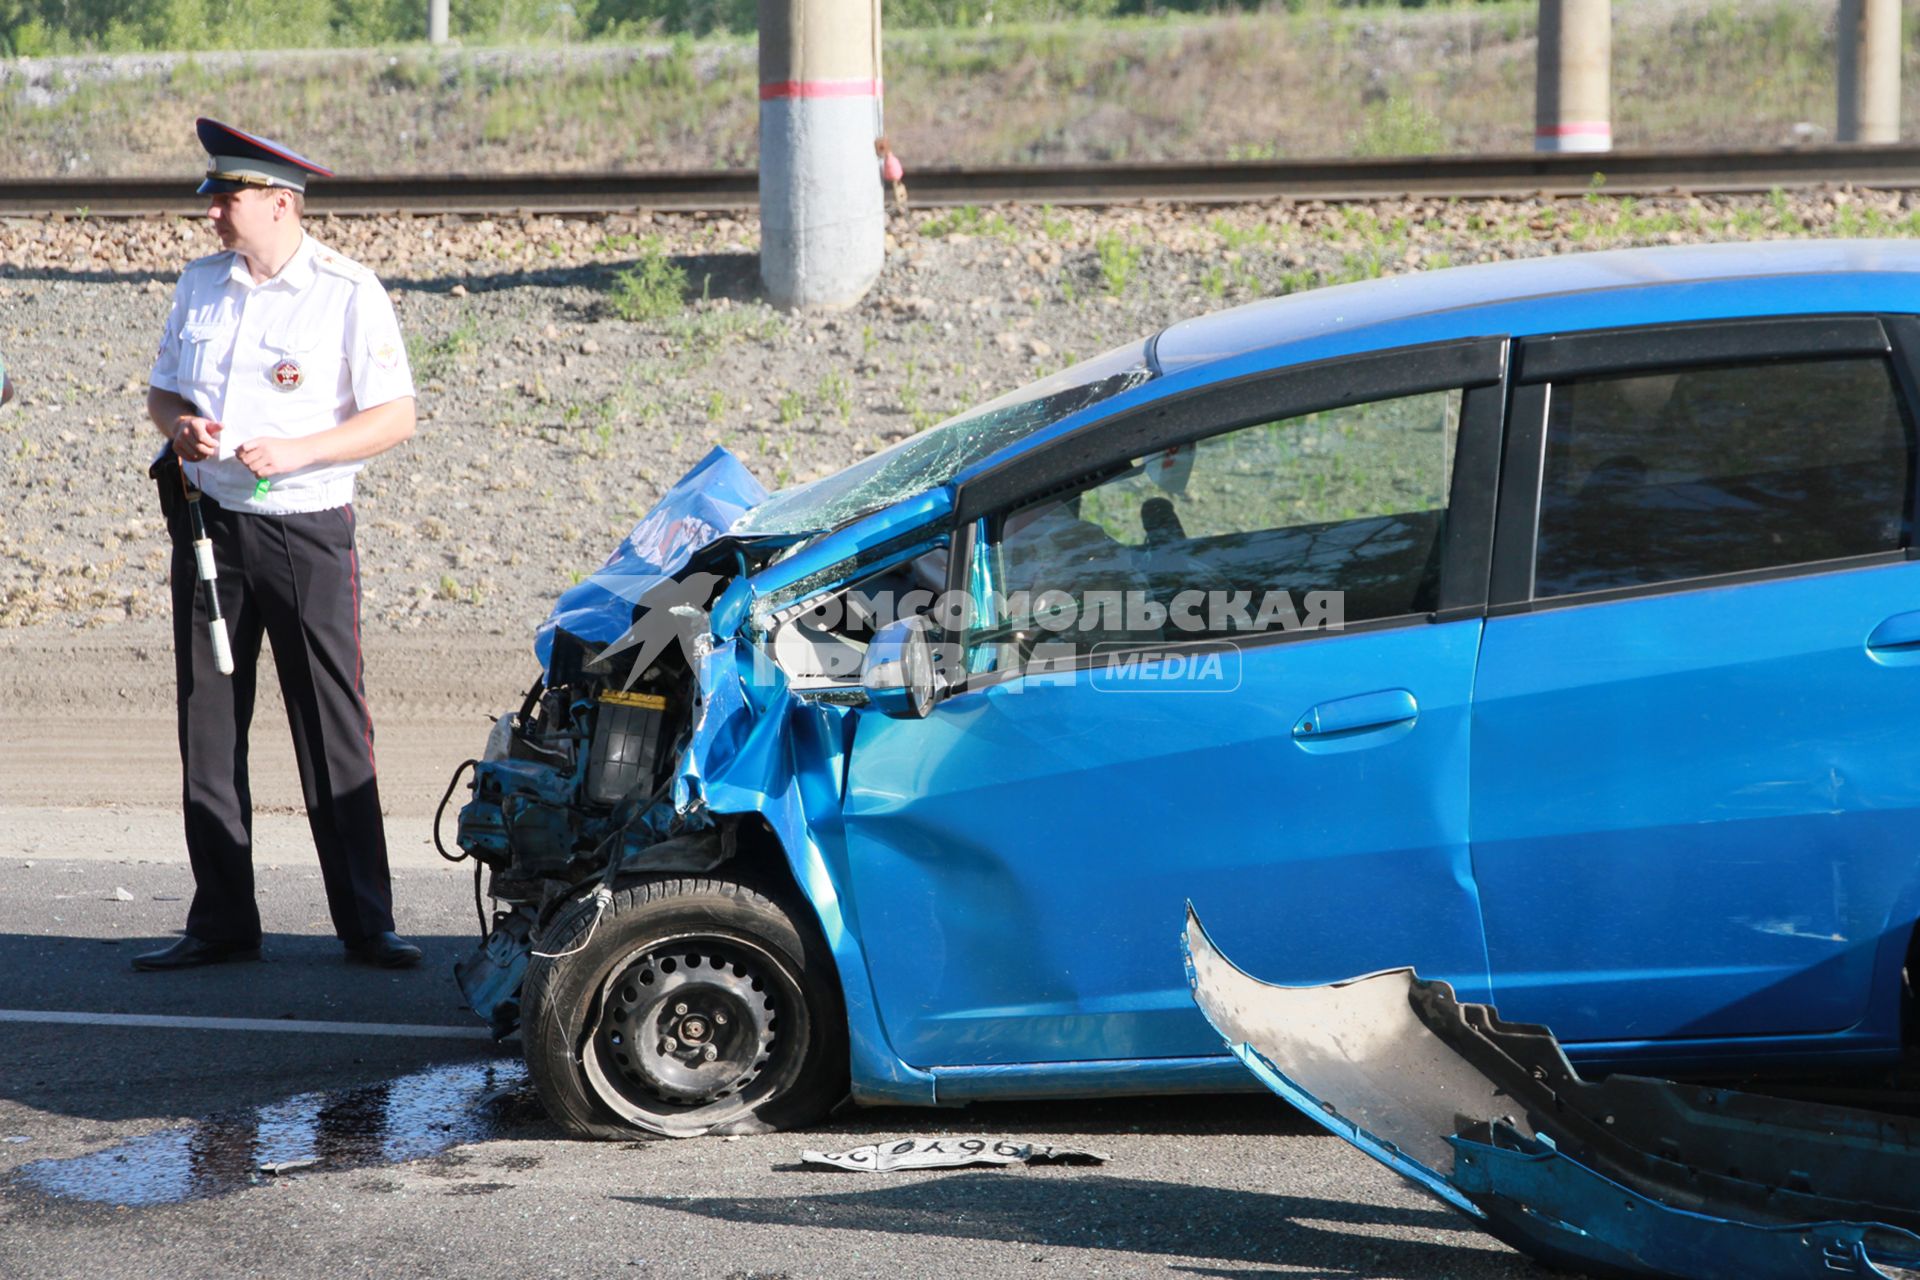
(411, 1117)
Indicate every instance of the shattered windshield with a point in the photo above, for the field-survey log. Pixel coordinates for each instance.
(937, 455)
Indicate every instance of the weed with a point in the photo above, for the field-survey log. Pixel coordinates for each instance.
(834, 393)
(1398, 127)
(716, 406)
(702, 332)
(1258, 236)
(653, 288)
(791, 407)
(969, 220)
(910, 390)
(449, 587)
(1253, 151)
(1054, 226)
(431, 359)
(1213, 282)
(1118, 258)
(1786, 219)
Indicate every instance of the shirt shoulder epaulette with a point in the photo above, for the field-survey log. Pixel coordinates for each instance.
(334, 264)
(221, 261)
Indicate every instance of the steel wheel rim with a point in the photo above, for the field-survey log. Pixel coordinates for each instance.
(668, 1003)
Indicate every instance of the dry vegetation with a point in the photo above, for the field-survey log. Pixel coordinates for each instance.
(1251, 86)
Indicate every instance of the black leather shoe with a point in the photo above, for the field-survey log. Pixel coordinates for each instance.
(387, 950)
(191, 952)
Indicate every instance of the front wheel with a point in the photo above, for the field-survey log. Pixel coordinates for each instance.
(684, 1007)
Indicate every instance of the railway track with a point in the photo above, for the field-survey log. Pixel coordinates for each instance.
(1523, 174)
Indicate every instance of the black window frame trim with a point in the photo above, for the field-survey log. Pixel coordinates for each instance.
(1656, 348)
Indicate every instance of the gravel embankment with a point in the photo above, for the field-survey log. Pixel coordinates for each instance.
(549, 424)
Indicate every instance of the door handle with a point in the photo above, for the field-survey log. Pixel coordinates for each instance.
(1898, 636)
(1357, 715)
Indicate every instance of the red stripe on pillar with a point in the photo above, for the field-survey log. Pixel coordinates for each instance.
(1579, 126)
(820, 89)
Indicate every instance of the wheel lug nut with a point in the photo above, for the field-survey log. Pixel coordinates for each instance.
(680, 1010)
(712, 1053)
(668, 1044)
(719, 1019)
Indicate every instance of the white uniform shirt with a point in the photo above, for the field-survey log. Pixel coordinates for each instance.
(287, 357)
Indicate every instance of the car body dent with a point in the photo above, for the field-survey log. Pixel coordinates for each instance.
(758, 749)
(1627, 1177)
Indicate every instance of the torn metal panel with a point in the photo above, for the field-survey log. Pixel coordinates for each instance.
(1695, 1147)
(1555, 1209)
(699, 509)
(1623, 1177)
(490, 976)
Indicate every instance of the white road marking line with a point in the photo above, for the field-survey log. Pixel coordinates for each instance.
(243, 1024)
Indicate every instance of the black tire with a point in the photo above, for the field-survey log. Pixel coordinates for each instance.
(687, 1007)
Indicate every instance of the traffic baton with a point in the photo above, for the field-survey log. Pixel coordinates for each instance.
(209, 576)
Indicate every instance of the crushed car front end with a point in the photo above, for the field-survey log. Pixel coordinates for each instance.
(654, 824)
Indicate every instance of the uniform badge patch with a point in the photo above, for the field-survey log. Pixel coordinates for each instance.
(386, 355)
(288, 375)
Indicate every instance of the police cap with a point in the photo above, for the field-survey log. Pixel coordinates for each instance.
(239, 160)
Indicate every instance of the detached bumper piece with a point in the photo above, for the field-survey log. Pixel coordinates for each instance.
(1622, 1177)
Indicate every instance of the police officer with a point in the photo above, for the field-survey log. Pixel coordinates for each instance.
(281, 371)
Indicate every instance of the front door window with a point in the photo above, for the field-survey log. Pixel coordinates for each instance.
(1314, 521)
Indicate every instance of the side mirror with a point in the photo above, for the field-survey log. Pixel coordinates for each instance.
(898, 674)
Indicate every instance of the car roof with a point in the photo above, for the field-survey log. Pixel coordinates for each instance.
(1570, 291)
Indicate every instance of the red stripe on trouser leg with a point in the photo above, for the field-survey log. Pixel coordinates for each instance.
(359, 659)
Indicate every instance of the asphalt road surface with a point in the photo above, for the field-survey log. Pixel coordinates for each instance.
(223, 1122)
(139, 1139)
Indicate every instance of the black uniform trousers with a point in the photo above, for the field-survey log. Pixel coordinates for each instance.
(294, 579)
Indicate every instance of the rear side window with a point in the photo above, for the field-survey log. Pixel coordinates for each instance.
(1658, 477)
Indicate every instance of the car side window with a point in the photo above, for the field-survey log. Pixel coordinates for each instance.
(1318, 520)
(1660, 477)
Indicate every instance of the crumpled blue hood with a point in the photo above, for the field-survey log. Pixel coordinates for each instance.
(694, 513)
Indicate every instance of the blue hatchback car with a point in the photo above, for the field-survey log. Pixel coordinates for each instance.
(1550, 626)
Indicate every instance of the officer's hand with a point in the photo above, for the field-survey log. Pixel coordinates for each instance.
(196, 439)
(271, 457)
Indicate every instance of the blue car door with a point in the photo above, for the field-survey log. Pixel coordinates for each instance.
(1224, 652)
(1694, 794)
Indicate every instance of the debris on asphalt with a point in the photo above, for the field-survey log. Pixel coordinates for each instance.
(119, 894)
(947, 1153)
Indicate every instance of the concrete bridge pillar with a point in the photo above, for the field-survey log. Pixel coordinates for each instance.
(822, 219)
(1868, 36)
(1573, 85)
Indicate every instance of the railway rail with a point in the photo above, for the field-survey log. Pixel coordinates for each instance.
(1216, 182)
